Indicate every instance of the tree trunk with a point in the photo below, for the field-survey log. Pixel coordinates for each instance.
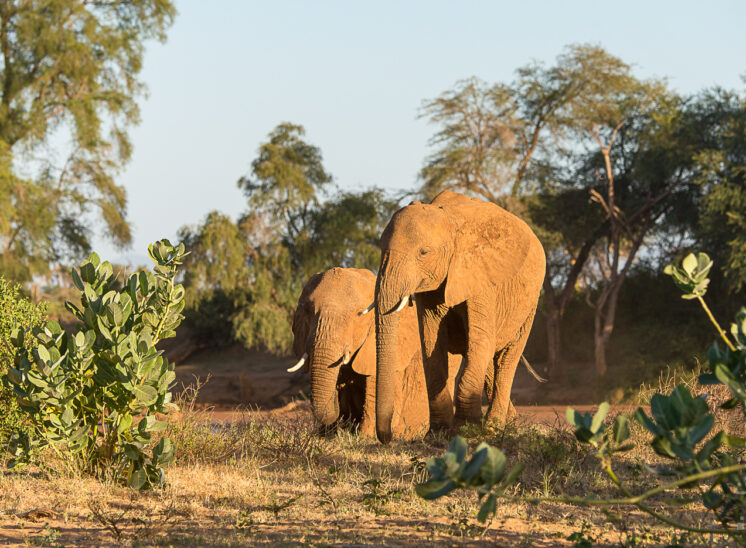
(600, 353)
(604, 323)
(554, 341)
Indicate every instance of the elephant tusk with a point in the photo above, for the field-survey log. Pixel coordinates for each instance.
(299, 364)
(402, 304)
(346, 358)
(372, 305)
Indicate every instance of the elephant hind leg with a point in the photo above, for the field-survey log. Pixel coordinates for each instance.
(505, 363)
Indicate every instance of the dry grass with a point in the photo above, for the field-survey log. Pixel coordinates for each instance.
(272, 480)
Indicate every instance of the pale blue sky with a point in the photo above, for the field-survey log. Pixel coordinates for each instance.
(355, 74)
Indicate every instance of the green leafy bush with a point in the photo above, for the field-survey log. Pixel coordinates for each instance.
(485, 472)
(15, 311)
(93, 396)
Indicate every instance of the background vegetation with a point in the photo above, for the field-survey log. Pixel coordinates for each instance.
(618, 175)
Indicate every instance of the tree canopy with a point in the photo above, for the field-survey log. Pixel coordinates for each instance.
(251, 271)
(68, 69)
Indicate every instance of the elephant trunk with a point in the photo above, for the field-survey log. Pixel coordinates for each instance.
(324, 373)
(389, 295)
(387, 327)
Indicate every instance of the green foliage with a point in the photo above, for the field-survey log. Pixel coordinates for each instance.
(484, 472)
(490, 136)
(93, 396)
(691, 277)
(718, 224)
(244, 278)
(69, 74)
(285, 182)
(591, 429)
(681, 424)
(15, 311)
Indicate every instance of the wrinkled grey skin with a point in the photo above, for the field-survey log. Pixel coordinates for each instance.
(475, 272)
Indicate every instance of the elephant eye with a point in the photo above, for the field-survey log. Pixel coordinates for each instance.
(425, 250)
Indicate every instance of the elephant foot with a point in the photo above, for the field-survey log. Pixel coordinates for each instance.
(503, 415)
(367, 429)
(468, 415)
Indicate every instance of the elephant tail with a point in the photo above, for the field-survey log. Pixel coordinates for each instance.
(531, 370)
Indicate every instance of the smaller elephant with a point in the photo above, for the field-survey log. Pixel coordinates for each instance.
(334, 337)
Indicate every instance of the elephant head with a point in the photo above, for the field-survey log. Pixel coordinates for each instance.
(333, 329)
(454, 245)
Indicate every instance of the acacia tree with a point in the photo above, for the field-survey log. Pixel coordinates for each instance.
(476, 145)
(642, 167)
(68, 68)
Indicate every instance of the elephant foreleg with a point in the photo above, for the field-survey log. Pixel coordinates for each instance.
(435, 361)
(505, 364)
(415, 412)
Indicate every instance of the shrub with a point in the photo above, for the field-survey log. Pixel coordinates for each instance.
(93, 396)
(15, 311)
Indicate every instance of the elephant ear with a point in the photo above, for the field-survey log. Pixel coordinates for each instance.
(490, 247)
(302, 316)
(364, 362)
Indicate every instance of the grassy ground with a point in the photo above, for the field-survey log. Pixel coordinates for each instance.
(272, 480)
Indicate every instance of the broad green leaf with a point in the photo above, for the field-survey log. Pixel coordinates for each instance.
(67, 417)
(146, 395)
(621, 429)
(434, 489)
(77, 282)
(570, 416)
(725, 376)
(474, 465)
(599, 417)
(94, 259)
(459, 448)
(43, 354)
(689, 264)
(125, 422)
(138, 479)
(493, 468)
(88, 273)
(489, 506)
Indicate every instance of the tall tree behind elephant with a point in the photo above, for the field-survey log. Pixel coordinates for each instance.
(475, 272)
(334, 337)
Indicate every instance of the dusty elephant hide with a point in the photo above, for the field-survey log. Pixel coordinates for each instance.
(336, 339)
(475, 272)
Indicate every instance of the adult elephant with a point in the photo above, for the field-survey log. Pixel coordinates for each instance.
(475, 272)
(334, 337)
